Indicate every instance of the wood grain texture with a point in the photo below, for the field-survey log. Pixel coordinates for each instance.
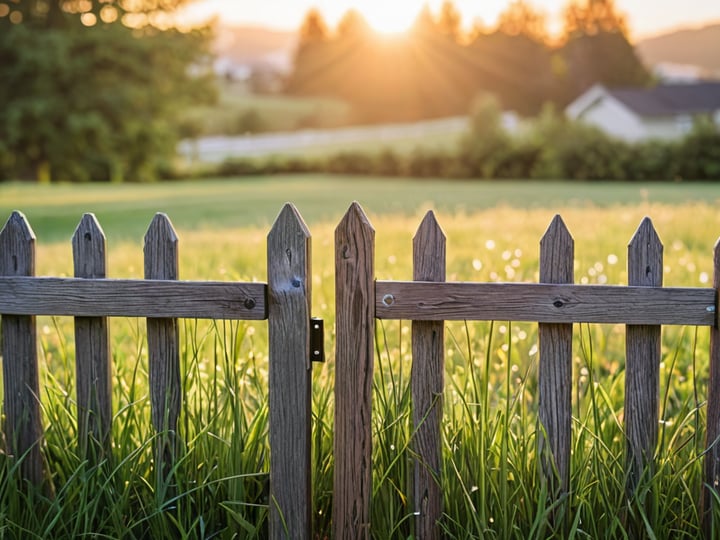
(557, 252)
(161, 262)
(427, 384)
(92, 349)
(453, 301)
(354, 357)
(132, 298)
(23, 424)
(712, 435)
(642, 364)
(289, 303)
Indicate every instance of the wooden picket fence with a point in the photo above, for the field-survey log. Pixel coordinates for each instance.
(90, 297)
(556, 303)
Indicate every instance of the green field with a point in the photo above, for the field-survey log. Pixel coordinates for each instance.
(125, 210)
(238, 111)
(489, 474)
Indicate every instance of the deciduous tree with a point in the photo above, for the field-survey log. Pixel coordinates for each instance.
(92, 89)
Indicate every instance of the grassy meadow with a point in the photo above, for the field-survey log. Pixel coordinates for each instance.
(489, 477)
(239, 111)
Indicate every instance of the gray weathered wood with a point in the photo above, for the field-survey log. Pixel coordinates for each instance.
(642, 364)
(354, 357)
(92, 349)
(427, 382)
(557, 251)
(712, 435)
(23, 425)
(544, 303)
(132, 298)
(161, 262)
(289, 303)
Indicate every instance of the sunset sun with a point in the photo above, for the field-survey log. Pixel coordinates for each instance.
(388, 17)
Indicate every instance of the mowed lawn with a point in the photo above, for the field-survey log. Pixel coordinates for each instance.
(125, 210)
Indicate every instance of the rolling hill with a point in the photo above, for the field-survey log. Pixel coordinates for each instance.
(694, 46)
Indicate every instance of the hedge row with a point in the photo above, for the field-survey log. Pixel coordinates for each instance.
(551, 148)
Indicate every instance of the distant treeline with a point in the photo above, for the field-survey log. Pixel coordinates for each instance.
(436, 69)
(551, 147)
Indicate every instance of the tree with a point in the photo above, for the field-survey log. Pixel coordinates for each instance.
(311, 56)
(449, 21)
(85, 96)
(513, 62)
(597, 50)
(353, 25)
(520, 18)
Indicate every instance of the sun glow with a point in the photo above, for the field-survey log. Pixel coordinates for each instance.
(387, 17)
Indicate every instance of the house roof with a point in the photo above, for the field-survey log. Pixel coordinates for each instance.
(670, 99)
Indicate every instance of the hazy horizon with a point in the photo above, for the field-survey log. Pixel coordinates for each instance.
(645, 18)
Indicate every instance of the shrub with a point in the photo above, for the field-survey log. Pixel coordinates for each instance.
(698, 154)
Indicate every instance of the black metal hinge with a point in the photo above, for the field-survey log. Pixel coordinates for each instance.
(317, 339)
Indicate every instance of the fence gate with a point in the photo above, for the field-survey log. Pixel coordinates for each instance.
(161, 298)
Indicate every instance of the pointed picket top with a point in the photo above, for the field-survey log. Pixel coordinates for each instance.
(354, 223)
(289, 219)
(161, 249)
(645, 256)
(429, 245)
(354, 216)
(288, 254)
(557, 251)
(88, 244)
(17, 247)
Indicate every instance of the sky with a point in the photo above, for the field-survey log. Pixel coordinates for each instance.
(645, 17)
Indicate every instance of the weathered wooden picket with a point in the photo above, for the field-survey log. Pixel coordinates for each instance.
(555, 303)
(161, 298)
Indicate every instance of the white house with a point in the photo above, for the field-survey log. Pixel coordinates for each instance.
(663, 112)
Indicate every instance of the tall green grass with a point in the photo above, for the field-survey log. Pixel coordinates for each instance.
(490, 479)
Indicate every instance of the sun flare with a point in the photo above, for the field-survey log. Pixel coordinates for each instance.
(388, 17)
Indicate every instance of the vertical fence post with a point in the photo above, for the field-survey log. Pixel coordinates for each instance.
(427, 382)
(161, 262)
(642, 364)
(289, 304)
(23, 426)
(712, 435)
(354, 356)
(92, 352)
(557, 251)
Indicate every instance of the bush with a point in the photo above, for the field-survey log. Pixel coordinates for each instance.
(698, 154)
(576, 151)
(651, 160)
(487, 146)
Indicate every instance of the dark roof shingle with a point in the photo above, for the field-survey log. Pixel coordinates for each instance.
(671, 99)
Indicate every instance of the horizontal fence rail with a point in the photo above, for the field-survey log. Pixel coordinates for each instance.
(82, 297)
(547, 303)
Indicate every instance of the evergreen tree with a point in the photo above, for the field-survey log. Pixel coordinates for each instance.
(597, 50)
